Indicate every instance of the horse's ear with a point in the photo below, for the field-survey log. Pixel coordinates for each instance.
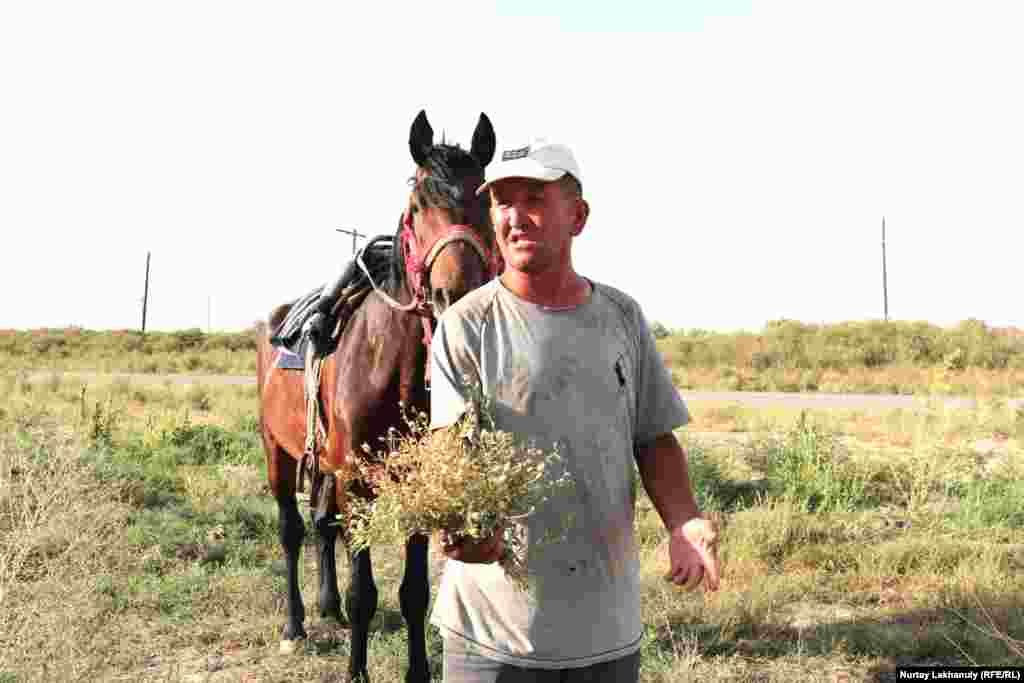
(483, 141)
(421, 138)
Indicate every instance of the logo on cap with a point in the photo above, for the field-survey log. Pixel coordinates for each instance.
(510, 154)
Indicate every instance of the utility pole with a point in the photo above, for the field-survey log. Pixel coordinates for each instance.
(145, 294)
(885, 283)
(355, 234)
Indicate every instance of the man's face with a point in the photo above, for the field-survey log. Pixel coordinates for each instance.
(534, 223)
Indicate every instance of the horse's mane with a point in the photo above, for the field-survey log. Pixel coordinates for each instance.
(446, 166)
(440, 186)
(396, 266)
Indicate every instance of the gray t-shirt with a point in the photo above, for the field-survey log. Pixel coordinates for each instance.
(591, 380)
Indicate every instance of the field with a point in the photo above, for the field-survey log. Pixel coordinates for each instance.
(138, 542)
(862, 357)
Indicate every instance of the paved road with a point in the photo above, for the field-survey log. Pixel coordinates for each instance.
(832, 401)
(747, 398)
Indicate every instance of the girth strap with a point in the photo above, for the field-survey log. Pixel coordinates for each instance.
(314, 424)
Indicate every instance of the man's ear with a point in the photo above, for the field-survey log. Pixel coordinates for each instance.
(582, 213)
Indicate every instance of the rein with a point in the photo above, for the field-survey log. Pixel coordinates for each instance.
(417, 268)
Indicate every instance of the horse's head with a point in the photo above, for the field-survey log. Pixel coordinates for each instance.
(446, 233)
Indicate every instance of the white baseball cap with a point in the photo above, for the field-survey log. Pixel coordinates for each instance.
(539, 160)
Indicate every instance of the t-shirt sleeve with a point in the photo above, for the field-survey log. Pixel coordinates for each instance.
(451, 365)
(660, 409)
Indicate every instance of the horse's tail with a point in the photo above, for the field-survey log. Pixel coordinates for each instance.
(261, 330)
(262, 349)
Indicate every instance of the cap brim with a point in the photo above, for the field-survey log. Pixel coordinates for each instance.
(522, 168)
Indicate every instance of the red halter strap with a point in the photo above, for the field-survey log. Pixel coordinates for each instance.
(417, 268)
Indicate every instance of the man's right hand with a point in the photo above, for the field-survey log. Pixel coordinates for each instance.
(482, 551)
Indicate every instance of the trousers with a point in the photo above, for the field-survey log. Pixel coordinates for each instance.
(462, 665)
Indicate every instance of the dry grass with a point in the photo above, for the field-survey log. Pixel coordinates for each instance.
(905, 380)
(137, 543)
(993, 424)
(470, 481)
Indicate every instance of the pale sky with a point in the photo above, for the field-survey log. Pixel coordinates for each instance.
(738, 155)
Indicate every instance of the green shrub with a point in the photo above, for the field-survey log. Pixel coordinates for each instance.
(142, 481)
(49, 344)
(102, 423)
(659, 331)
(849, 345)
(807, 468)
(186, 340)
(990, 503)
(202, 444)
(250, 518)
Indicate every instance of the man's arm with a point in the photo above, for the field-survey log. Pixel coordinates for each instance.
(693, 541)
(666, 477)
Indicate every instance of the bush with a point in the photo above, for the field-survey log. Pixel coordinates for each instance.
(869, 345)
(48, 344)
(142, 482)
(807, 469)
(766, 360)
(659, 331)
(209, 443)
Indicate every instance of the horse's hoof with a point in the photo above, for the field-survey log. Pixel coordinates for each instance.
(293, 633)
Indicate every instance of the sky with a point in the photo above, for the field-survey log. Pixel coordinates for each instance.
(738, 156)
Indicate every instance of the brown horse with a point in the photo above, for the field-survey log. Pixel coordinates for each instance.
(446, 250)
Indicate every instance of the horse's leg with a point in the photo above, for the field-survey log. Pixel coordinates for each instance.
(324, 521)
(361, 605)
(292, 531)
(414, 596)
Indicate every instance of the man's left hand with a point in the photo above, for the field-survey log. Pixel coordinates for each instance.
(693, 555)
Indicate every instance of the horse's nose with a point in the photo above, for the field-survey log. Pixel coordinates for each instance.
(457, 270)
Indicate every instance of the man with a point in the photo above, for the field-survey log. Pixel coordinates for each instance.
(571, 362)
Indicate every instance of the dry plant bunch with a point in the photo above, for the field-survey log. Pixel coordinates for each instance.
(469, 482)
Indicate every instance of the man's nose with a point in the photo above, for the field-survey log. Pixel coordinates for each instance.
(515, 217)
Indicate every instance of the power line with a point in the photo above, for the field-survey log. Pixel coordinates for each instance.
(885, 281)
(355, 235)
(145, 294)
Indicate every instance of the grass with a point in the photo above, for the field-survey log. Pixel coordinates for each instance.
(184, 351)
(137, 542)
(993, 419)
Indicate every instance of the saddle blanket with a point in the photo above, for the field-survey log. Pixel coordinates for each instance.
(285, 359)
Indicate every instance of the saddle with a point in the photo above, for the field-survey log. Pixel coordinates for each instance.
(311, 330)
(334, 302)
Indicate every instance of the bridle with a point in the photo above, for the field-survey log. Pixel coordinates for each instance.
(417, 269)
